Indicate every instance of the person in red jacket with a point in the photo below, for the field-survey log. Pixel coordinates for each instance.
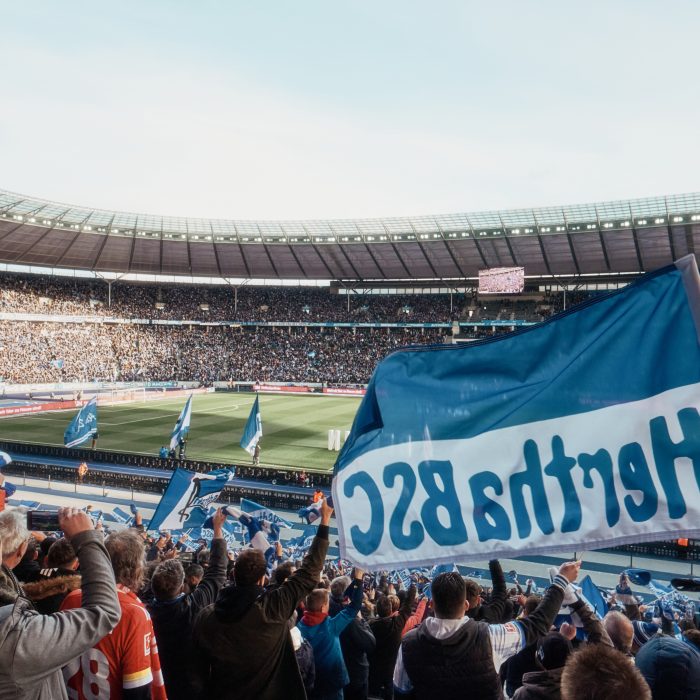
(124, 665)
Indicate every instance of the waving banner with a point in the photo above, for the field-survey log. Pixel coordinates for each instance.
(576, 433)
(83, 426)
(187, 499)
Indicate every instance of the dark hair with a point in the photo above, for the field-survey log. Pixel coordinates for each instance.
(125, 549)
(531, 602)
(45, 545)
(472, 591)
(449, 595)
(384, 608)
(30, 552)
(61, 553)
(167, 580)
(249, 568)
(193, 570)
(282, 573)
(598, 672)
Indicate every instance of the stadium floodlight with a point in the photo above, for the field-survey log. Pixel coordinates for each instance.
(659, 220)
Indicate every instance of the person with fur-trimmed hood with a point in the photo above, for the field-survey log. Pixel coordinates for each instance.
(34, 647)
(55, 581)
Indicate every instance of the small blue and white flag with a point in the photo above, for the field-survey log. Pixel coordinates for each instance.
(121, 516)
(263, 513)
(442, 569)
(300, 545)
(310, 513)
(182, 427)
(5, 459)
(187, 499)
(592, 595)
(573, 434)
(253, 428)
(83, 426)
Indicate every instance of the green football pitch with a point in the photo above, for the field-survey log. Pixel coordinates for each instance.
(295, 428)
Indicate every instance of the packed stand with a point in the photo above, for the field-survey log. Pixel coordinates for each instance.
(33, 352)
(81, 297)
(138, 614)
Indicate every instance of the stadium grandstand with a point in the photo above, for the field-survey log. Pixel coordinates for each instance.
(144, 312)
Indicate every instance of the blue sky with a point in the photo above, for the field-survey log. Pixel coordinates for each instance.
(327, 109)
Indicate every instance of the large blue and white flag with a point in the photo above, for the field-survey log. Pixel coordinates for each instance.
(182, 427)
(83, 426)
(253, 428)
(187, 499)
(263, 513)
(580, 432)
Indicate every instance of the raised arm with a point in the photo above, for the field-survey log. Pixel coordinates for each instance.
(493, 611)
(66, 635)
(215, 574)
(281, 602)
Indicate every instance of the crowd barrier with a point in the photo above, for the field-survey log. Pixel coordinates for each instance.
(270, 474)
(273, 496)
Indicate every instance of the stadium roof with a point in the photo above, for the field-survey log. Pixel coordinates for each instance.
(628, 236)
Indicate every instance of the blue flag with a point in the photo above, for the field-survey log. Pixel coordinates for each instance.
(253, 428)
(263, 513)
(83, 426)
(187, 499)
(591, 593)
(300, 545)
(576, 433)
(310, 513)
(639, 577)
(182, 427)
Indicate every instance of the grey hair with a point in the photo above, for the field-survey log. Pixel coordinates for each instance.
(339, 585)
(13, 530)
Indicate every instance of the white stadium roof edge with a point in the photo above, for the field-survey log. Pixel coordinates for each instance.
(618, 237)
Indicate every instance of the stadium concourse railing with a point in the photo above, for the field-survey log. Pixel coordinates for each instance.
(275, 487)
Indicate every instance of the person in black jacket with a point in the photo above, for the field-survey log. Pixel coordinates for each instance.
(387, 629)
(356, 641)
(498, 608)
(552, 652)
(173, 612)
(452, 656)
(243, 645)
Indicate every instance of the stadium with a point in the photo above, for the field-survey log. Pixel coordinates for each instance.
(142, 312)
(336, 447)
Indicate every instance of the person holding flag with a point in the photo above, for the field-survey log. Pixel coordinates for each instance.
(243, 640)
(253, 432)
(84, 426)
(182, 428)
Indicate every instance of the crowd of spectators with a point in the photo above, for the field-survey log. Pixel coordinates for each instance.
(85, 297)
(141, 615)
(46, 352)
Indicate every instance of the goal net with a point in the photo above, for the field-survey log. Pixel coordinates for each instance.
(116, 396)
